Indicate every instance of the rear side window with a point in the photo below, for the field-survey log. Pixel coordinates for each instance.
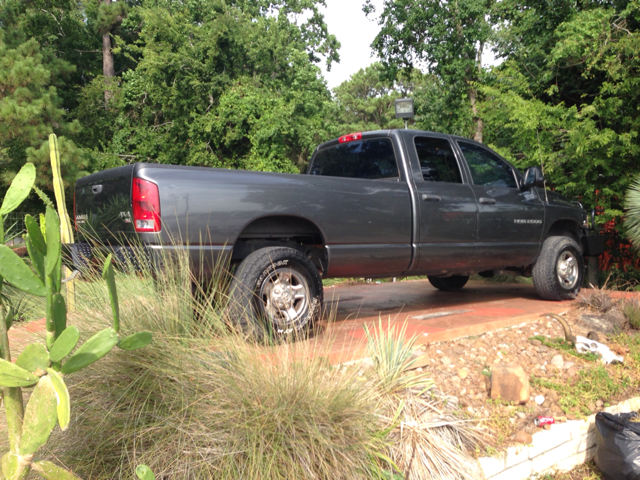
(372, 159)
(486, 167)
(437, 161)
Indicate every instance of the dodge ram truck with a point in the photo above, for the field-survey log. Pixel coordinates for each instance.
(386, 203)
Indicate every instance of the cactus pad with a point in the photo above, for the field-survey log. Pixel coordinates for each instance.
(33, 358)
(92, 350)
(14, 376)
(62, 396)
(52, 223)
(19, 189)
(135, 341)
(59, 314)
(144, 473)
(51, 471)
(40, 417)
(64, 344)
(33, 229)
(17, 273)
(109, 277)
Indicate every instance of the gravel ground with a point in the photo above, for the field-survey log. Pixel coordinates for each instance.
(461, 370)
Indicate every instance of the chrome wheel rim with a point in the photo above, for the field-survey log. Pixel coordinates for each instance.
(285, 298)
(567, 270)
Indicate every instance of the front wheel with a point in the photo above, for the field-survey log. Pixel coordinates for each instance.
(449, 284)
(559, 270)
(276, 292)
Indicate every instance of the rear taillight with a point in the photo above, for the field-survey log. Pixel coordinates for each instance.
(145, 199)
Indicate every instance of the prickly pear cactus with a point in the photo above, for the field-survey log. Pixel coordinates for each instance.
(45, 366)
(66, 232)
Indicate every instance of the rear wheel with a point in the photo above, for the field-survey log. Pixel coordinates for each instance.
(559, 270)
(449, 284)
(276, 291)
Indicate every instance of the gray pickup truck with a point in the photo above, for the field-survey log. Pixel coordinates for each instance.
(386, 203)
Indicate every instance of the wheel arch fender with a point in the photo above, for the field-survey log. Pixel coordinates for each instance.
(564, 227)
(282, 230)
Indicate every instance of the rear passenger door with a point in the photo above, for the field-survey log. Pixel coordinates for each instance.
(510, 220)
(365, 208)
(447, 207)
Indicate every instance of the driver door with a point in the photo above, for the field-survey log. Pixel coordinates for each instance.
(510, 220)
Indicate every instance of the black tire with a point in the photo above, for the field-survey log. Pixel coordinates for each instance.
(449, 284)
(276, 292)
(559, 270)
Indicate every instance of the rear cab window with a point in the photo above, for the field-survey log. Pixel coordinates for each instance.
(437, 160)
(372, 159)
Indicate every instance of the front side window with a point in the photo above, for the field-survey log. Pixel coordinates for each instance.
(486, 167)
(437, 161)
(372, 159)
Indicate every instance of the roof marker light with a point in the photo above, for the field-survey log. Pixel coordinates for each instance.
(350, 138)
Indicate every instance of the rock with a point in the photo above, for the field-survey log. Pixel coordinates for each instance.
(599, 403)
(521, 415)
(547, 427)
(608, 324)
(20, 251)
(539, 399)
(445, 360)
(463, 373)
(523, 437)
(420, 361)
(536, 343)
(543, 349)
(557, 361)
(568, 365)
(572, 372)
(591, 407)
(555, 408)
(552, 396)
(509, 383)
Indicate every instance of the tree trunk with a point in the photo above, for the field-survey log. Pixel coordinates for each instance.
(107, 62)
(473, 93)
(477, 136)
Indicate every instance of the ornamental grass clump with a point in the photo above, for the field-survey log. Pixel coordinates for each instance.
(200, 402)
(428, 438)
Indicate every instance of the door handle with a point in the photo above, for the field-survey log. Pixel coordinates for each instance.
(487, 201)
(96, 189)
(430, 198)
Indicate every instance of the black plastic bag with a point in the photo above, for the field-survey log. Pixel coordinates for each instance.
(618, 446)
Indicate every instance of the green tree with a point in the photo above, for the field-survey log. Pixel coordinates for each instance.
(573, 108)
(30, 109)
(448, 38)
(215, 84)
(366, 101)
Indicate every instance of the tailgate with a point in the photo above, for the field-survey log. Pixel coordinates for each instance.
(103, 205)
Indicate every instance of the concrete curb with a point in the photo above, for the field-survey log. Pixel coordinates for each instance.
(560, 449)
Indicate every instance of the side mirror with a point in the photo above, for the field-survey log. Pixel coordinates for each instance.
(533, 177)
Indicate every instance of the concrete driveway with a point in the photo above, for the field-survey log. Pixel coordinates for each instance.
(430, 314)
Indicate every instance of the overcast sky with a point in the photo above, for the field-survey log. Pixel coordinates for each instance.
(355, 32)
(346, 20)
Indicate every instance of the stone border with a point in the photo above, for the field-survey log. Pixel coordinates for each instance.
(560, 449)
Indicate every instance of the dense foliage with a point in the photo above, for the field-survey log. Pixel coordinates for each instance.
(236, 84)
